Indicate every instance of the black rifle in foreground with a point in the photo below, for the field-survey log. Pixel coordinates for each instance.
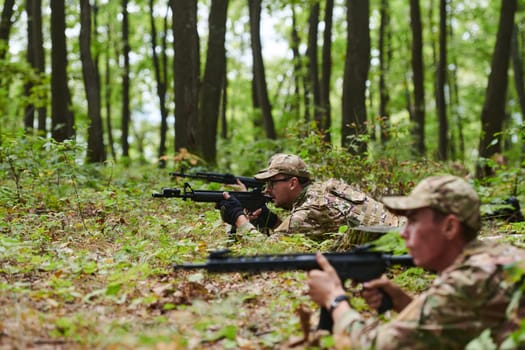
(228, 179)
(360, 265)
(250, 200)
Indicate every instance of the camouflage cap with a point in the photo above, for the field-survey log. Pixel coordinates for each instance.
(282, 163)
(446, 193)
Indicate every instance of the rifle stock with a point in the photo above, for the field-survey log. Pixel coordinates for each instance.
(228, 179)
(251, 200)
(359, 265)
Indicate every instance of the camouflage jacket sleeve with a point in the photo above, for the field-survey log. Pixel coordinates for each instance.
(467, 298)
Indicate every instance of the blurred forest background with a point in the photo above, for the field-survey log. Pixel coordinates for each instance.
(141, 80)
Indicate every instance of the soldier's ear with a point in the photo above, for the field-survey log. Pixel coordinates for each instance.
(294, 182)
(451, 226)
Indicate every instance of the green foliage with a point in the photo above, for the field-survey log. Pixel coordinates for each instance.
(384, 171)
(86, 252)
(390, 242)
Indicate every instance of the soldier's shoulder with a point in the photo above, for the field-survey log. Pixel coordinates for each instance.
(489, 255)
(332, 186)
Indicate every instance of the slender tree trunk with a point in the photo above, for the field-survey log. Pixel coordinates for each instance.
(29, 114)
(418, 114)
(214, 73)
(327, 71)
(6, 22)
(517, 65)
(186, 74)
(161, 79)
(313, 65)
(107, 95)
(224, 104)
(62, 120)
(493, 112)
(259, 72)
(40, 63)
(297, 67)
(39, 57)
(355, 76)
(96, 152)
(457, 143)
(384, 95)
(35, 57)
(125, 113)
(441, 78)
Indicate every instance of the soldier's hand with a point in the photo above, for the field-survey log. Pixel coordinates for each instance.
(373, 294)
(239, 186)
(230, 208)
(264, 218)
(324, 285)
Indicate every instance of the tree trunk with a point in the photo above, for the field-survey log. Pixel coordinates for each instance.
(39, 56)
(326, 69)
(224, 103)
(62, 120)
(355, 76)
(96, 152)
(384, 95)
(35, 58)
(125, 113)
(313, 65)
(259, 73)
(519, 82)
(457, 143)
(418, 114)
(493, 112)
(212, 83)
(6, 23)
(161, 79)
(29, 114)
(186, 68)
(107, 96)
(297, 67)
(441, 78)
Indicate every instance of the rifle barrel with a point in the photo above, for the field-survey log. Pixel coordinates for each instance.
(228, 179)
(347, 265)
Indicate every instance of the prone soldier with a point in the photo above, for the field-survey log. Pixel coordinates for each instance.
(316, 208)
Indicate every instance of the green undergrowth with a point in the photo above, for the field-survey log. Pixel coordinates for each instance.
(87, 254)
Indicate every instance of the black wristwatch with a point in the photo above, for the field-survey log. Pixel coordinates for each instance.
(337, 300)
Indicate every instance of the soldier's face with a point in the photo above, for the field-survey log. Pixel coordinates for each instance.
(278, 187)
(425, 239)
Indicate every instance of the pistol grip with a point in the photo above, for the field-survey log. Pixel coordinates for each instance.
(386, 303)
(325, 320)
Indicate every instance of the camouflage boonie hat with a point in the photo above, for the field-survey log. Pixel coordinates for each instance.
(282, 163)
(446, 193)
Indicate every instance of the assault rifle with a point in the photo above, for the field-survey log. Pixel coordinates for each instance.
(250, 200)
(508, 210)
(359, 265)
(228, 179)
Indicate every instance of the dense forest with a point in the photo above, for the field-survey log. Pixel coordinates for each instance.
(145, 79)
(101, 99)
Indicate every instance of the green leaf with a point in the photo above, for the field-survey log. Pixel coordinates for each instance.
(113, 289)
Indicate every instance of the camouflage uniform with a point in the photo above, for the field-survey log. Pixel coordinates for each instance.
(471, 295)
(324, 207)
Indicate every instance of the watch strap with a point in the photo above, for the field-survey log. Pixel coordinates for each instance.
(337, 300)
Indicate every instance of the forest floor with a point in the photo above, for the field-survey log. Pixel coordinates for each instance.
(93, 269)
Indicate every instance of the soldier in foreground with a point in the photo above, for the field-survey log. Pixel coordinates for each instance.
(473, 290)
(316, 208)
